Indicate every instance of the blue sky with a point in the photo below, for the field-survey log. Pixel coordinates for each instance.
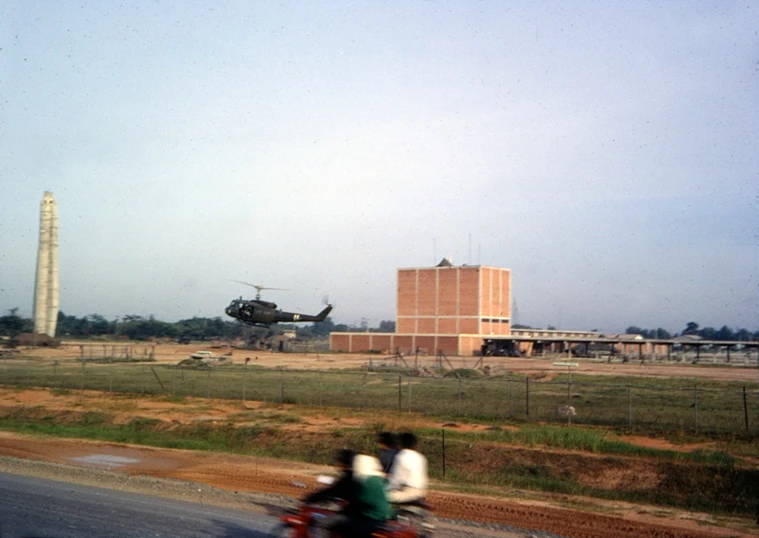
(606, 153)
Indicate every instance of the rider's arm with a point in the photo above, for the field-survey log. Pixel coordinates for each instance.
(340, 490)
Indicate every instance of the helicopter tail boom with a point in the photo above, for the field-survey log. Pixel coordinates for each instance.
(321, 316)
(288, 317)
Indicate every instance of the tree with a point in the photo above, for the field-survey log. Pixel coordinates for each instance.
(708, 333)
(72, 326)
(323, 328)
(691, 328)
(13, 324)
(662, 334)
(725, 333)
(743, 335)
(387, 326)
(99, 325)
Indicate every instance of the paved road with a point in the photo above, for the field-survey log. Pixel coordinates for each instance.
(39, 508)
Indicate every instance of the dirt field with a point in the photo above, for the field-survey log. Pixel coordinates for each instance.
(553, 513)
(252, 474)
(174, 353)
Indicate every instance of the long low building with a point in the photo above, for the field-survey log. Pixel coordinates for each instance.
(407, 343)
(570, 342)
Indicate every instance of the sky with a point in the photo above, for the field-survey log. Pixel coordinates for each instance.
(607, 153)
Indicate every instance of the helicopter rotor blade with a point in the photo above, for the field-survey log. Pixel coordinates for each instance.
(258, 287)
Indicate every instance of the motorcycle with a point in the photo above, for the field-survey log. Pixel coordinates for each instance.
(413, 521)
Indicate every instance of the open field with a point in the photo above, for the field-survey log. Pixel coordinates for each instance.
(648, 398)
(738, 370)
(231, 447)
(531, 471)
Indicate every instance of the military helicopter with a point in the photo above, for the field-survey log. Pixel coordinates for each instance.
(259, 313)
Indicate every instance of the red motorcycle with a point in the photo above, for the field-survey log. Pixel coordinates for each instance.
(304, 522)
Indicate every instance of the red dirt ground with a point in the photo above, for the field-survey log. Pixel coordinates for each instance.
(252, 474)
(239, 473)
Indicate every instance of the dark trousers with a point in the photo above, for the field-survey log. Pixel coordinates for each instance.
(355, 526)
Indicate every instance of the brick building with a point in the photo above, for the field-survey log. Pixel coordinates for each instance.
(444, 308)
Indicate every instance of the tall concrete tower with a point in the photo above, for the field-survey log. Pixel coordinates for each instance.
(46, 287)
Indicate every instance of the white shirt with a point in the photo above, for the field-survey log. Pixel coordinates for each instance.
(409, 470)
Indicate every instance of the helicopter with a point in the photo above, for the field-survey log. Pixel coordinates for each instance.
(259, 313)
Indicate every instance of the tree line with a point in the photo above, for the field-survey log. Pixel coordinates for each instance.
(134, 327)
(693, 329)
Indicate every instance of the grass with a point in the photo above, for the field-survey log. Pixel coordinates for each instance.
(284, 418)
(703, 482)
(581, 439)
(142, 431)
(665, 407)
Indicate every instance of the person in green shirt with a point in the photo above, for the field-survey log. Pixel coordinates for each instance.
(370, 507)
(362, 486)
(373, 502)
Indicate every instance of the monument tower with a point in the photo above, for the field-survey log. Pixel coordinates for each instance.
(46, 285)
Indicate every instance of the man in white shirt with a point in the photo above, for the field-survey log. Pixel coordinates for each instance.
(407, 481)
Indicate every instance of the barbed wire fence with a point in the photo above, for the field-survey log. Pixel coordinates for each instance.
(642, 403)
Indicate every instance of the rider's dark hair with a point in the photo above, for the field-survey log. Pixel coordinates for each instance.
(345, 457)
(386, 438)
(407, 440)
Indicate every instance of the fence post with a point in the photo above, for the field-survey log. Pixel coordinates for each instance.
(408, 384)
(363, 391)
(629, 406)
(443, 453)
(244, 369)
(282, 387)
(321, 403)
(695, 404)
(110, 374)
(400, 394)
(511, 410)
(459, 381)
(745, 408)
(82, 381)
(527, 396)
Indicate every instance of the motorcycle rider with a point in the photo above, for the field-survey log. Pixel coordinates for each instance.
(407, 481)
(361, 486)
(387, 450)
(342, 488)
